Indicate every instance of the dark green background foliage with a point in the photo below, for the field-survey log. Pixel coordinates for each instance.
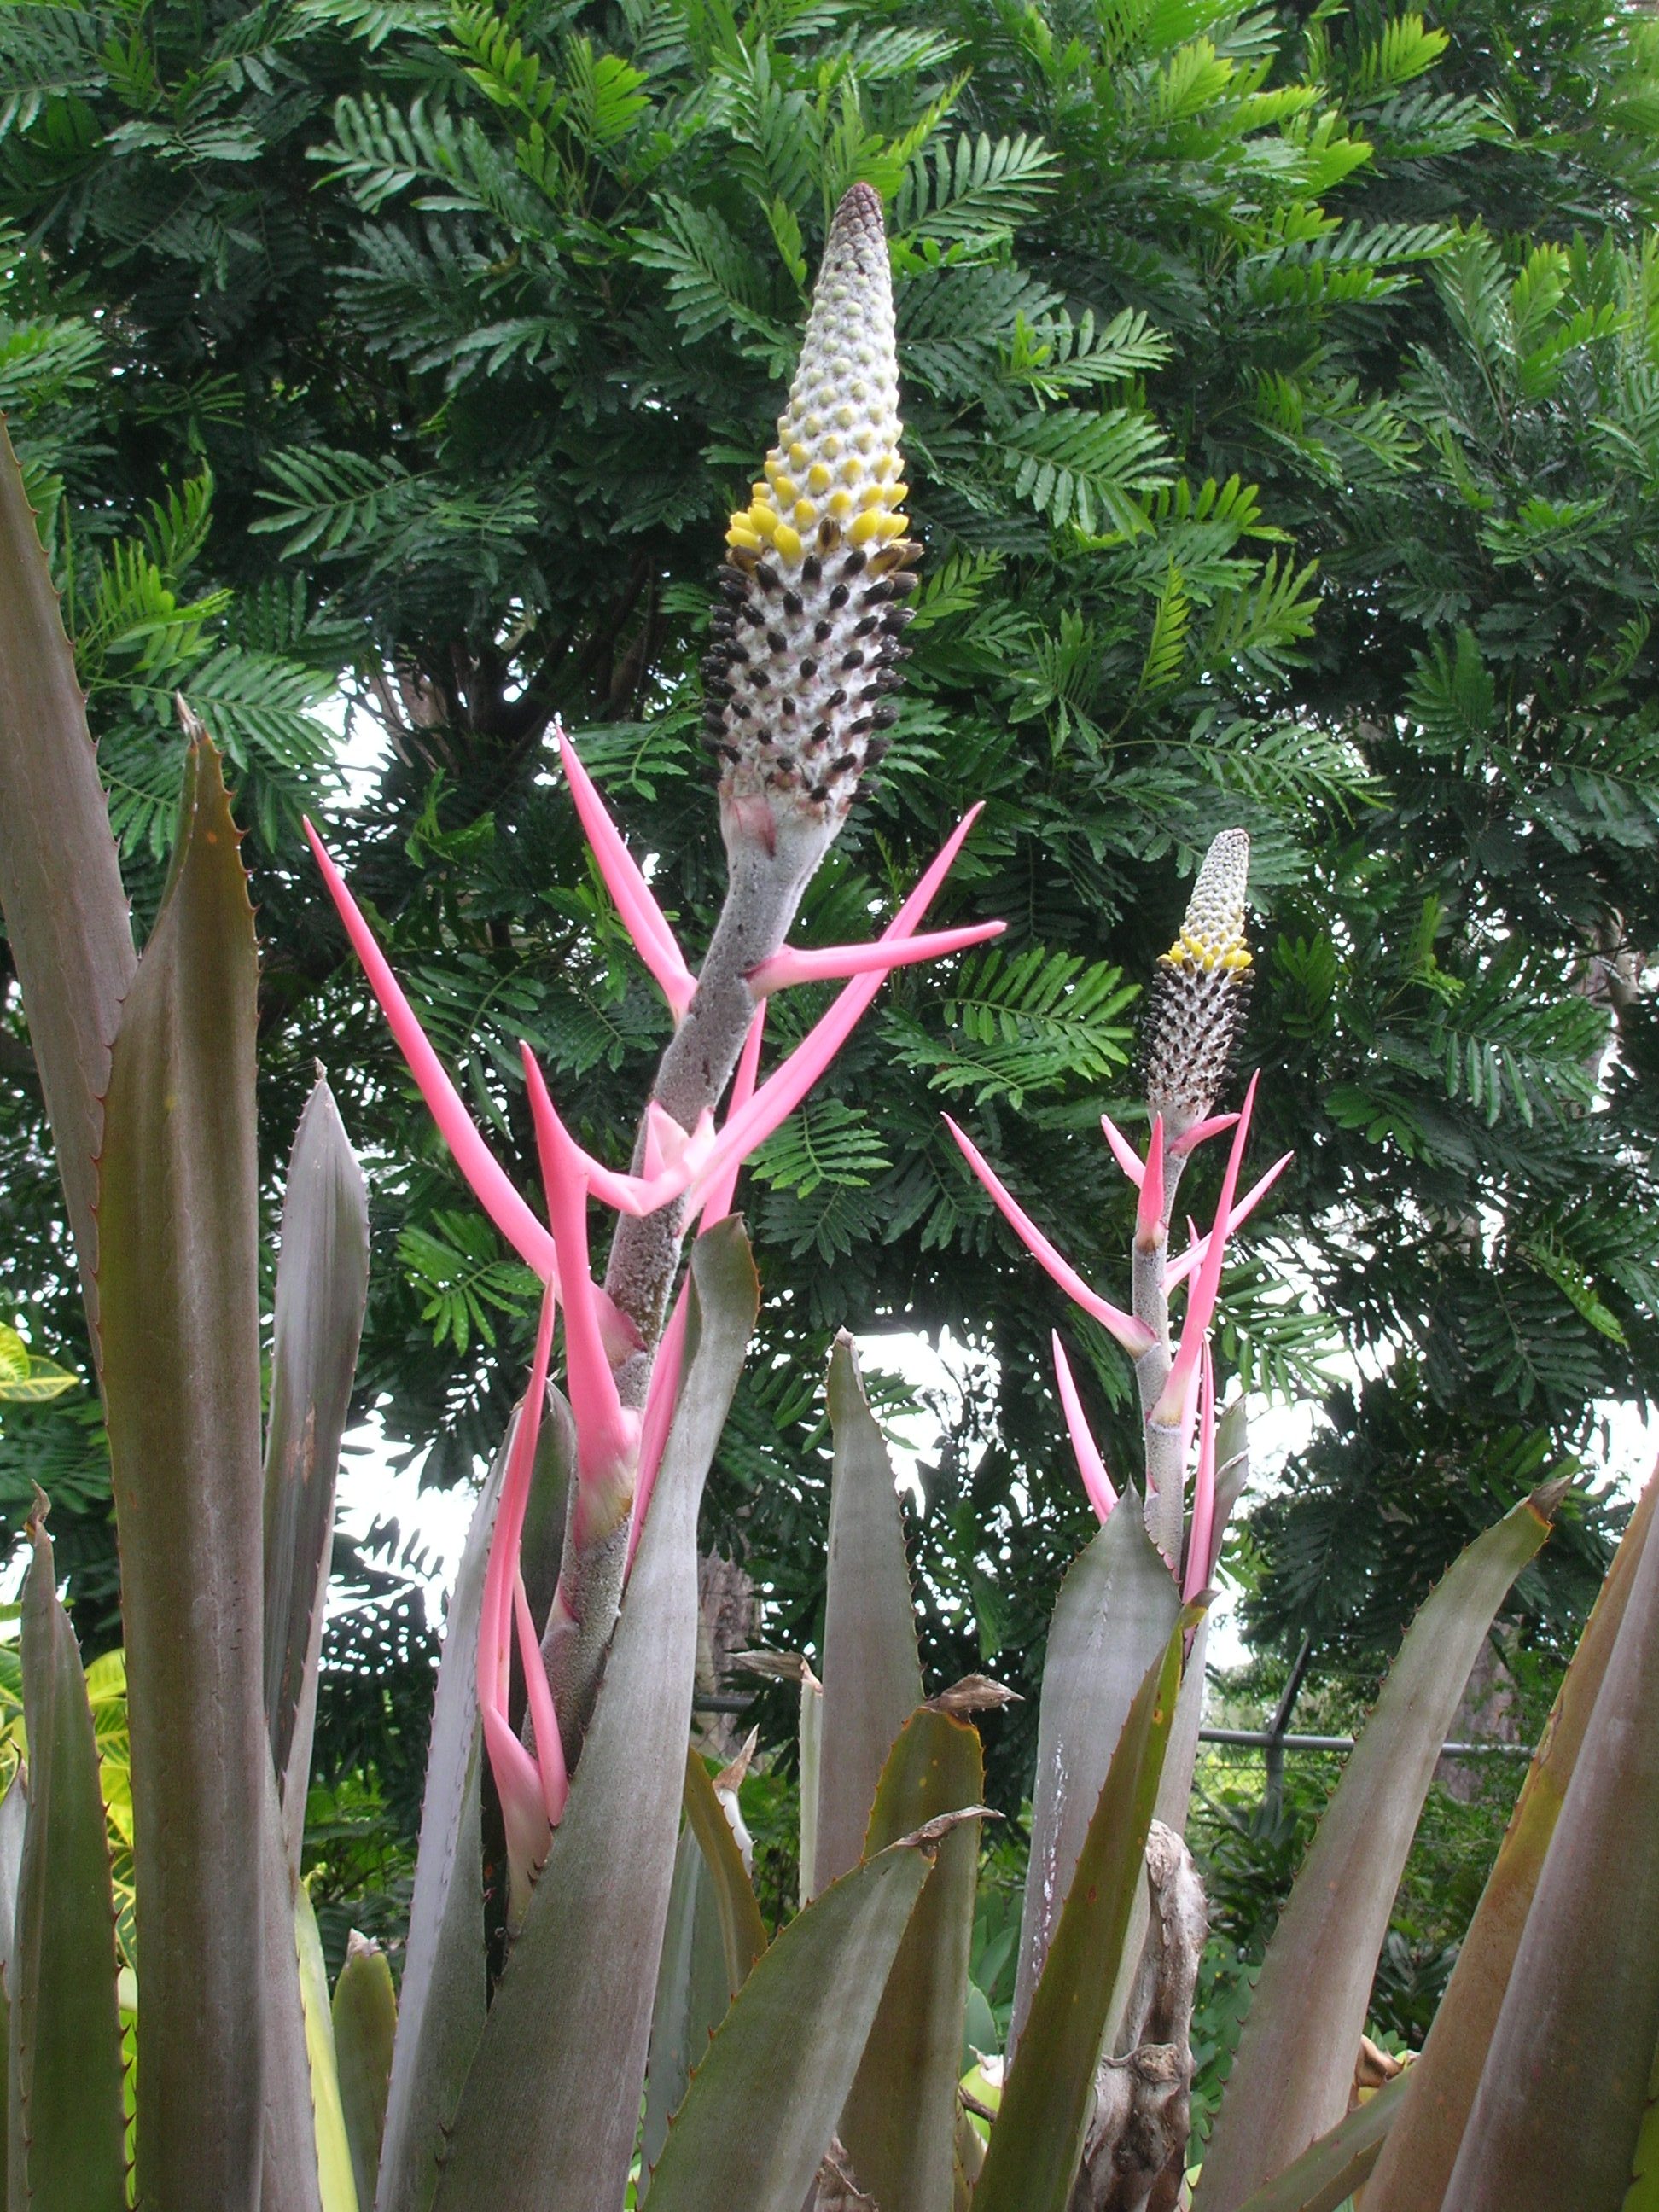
(1282, 393)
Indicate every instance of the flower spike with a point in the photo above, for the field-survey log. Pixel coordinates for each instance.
(1091, 1466)
(1201, 991)
(1200, 1302)
(1134, 1336)
(636, 904)
(829, 963)
(809, 642)
(491, 1183)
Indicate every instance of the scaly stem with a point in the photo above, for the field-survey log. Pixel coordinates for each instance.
(764, 892)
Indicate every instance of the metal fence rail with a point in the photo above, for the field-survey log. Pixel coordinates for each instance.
(1265, 1740)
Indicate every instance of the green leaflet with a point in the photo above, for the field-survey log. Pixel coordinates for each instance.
(60, 884)
(365, 2026)
(1290, 2082)
(335, 2182)
(872, 1676)
(1037, 2140)
(899, 2124)
(1581, 2013)
(322, 1281)
(1111, 1622)
(67, 2137)
(563, 2050)
(761, 2109)
(441, 2012)
(1329, 2171)
(177, 1280)
(1416, 2162)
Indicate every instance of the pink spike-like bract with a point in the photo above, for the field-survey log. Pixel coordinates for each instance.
(491, 1185)
(830, 963)
(1183, 1264)
(647, 925)
(1200, 1302)
(1091, 1466)
(1149, 1211)
(1134, 1336)
(532, 1790)
(1203, 1521)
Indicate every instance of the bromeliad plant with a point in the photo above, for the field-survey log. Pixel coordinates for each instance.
(585, 2077)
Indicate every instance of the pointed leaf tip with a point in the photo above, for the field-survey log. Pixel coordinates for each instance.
(1545, 1500)
(932, 1833)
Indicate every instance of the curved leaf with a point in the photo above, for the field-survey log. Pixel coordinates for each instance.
(742, 1932)
(900, 2120)
(1111, 1622)
(1037, 2140)
(60, 883)
(1416, 2162)
(693, 1994)
(761, 2108)
(1290, 2081)
(440, 2013)
(563, 2049)
(178, 1277)
(1329, 2171)
(67, 2144)
(1563, 2093)
(713, 1936)
(337, 2187)
(872, 1676)
(322, 1281)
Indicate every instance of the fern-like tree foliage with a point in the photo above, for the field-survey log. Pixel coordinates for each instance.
(1282, 394)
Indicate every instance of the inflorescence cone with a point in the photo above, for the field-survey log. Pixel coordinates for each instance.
(807, 642)
(1200, 993)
